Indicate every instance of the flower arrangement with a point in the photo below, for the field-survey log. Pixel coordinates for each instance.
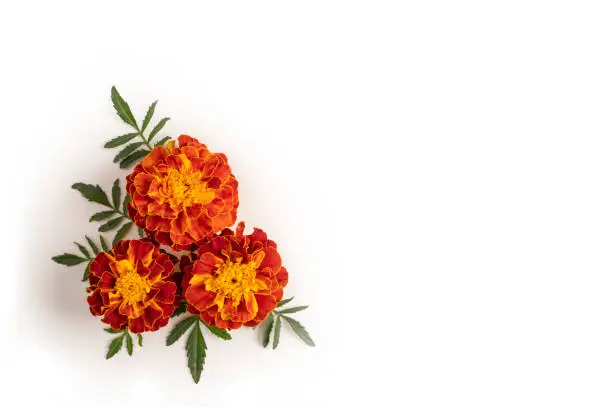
(182, 199)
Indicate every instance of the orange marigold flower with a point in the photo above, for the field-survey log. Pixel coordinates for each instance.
(132, 287)
(236, 279)
(180, 195)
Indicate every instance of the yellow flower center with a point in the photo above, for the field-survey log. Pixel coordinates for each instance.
(185, 188)
(132, 287)
(235, 280)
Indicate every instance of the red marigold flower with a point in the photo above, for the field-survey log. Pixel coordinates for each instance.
(132, 287)
(180, 195)
(236, 280)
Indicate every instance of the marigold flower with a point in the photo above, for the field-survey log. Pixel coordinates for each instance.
(236, 279)
(180, 195)
(132, 287)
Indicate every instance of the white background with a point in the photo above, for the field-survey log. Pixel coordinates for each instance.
(437, 176)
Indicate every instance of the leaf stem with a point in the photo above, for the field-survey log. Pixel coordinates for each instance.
(145, 140)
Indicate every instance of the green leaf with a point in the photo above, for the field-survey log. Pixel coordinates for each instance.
(111, 224)
(277, 327)
(283, 302)
(116, 194)
(86, 272)
(121, 232)
(218, 332)
(101, 216)
(141, 233)
(92, 193)
(93, 245)
(129, 345)
(158, 128)
(68, 259)
(299, 330)
(82, 249)
(118, 141)
(103, 243)
(162, 141)
(126, 151)
(196, 352)
(126, 200)
(114, 347)
(148, 116)
(130, 159)
(139, 340)
(112, 331)
(293, 310)
(181, 308)
(268, 324)
(122, 108)
(179, 329)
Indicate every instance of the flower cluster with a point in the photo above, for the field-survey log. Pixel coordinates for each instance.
(183, 199)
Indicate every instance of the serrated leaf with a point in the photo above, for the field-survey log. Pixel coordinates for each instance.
(120, 140)
(82, 249)
(299, 330)
(148, 116)
(116, 192)
(86, 272)
(111, 224)
(181, 308)
(126, 200)
(103, 243)
(283, 302)
(139, 340)
(122, 108)
(68, 259)
(162, 141)
(277, 328)
(114, 347)
(133, 157)
(126, 151)
(158, 128)
(129, 345)
(93, 245)
(218, 332)
(268, 324)
(112, 331)
(121, 232)
(179, 329)
(92, 193)
(293, 309)
(101, 216)
(196, 352)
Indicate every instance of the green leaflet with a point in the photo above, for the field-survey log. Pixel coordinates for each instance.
(129, 344)
(112, 331)
(277, 328)
(126, 151)
(268, 324)
(82, 249)
(293, 309)
(283, 302)
(158, 128)
(101, 216)
(116, 192)
(111, 224)
(86, 272)
(196, 352)
(68, 259)
(122, 108)
(126, 200)
(93, 193)
(299, 330)
(103, 243)
(122, 232)
(114, 347)
(162, 141)
(133, 157)
(93, 245)
(218, 332)
(148, 116)
(118, 141)
(139, 340)
(179, 329)
(182, 307)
